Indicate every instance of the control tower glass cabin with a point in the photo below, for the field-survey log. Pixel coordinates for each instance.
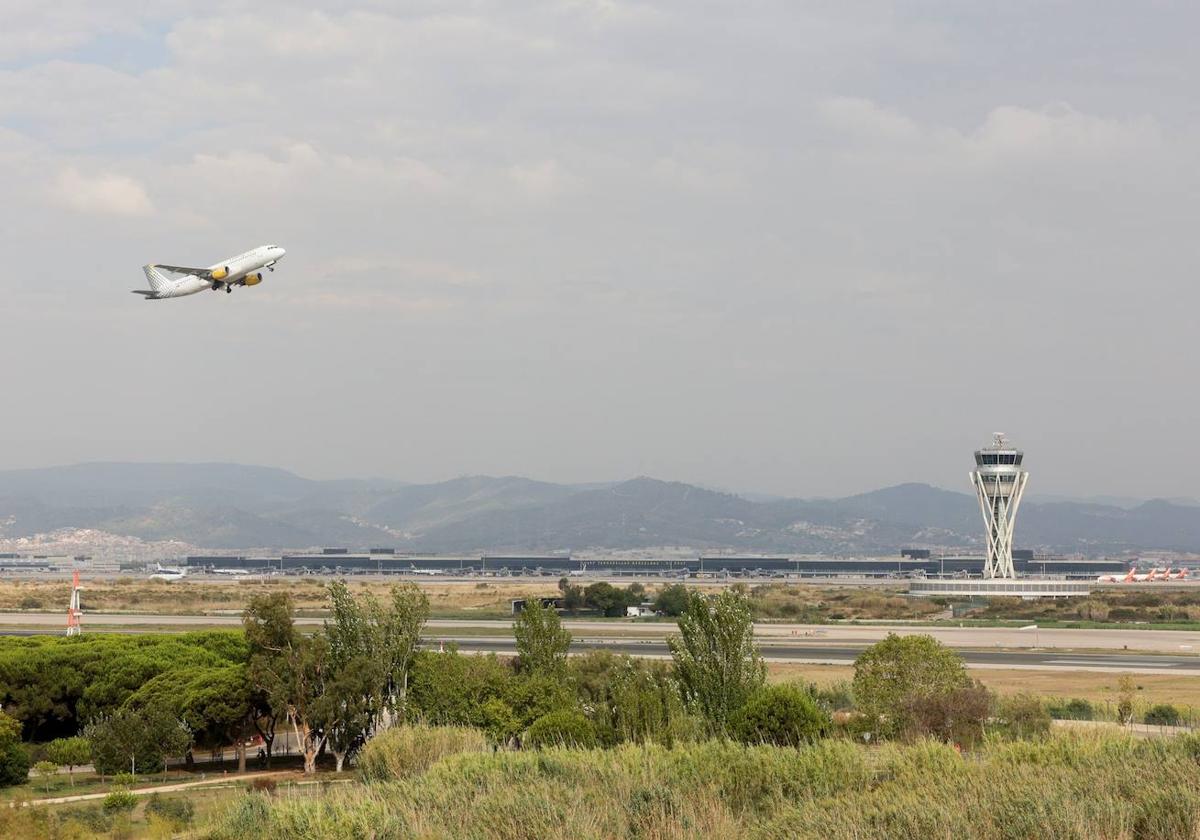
(999, 482)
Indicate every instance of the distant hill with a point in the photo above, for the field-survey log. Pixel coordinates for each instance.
(232, 506)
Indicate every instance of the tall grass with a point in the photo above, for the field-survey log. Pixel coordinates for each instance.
(1066, 786)
(406, 751)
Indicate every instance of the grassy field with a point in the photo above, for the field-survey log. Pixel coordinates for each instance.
(1097, 687)
(87, 819)
(467, 599)
(85, 783)
(196, 597)
(1070, 785)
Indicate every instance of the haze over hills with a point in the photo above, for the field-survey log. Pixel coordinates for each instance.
(231, 506)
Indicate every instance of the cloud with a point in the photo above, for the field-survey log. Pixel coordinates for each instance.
(105, 193)
(634, 201)
(865, 119)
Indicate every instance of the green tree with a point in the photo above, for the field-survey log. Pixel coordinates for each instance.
(628, 699)
(672, 600)
(370, 653)
(55, 684)
(14, 763)
(69, 753)
(542, 642)
(218, 704)
(449, 689)
(14, 758)
(46, 770)
(401, 629)
(289, 668)
(785, 715)
(132, 740)
(499, 721)
(716, 662)
(352, 699)
(572, 595)
(892, 675)
(609, 599)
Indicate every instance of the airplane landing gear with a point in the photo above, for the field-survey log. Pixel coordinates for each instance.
(228, 289)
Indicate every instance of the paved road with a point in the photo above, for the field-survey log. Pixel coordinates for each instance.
(776, 651)
(1061, 649)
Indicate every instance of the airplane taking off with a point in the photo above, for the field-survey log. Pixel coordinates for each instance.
(242, 270)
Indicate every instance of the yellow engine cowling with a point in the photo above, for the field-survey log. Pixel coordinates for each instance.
(253, 279)
(220, 273)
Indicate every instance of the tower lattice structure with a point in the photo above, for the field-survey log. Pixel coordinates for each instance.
(74, 613)
(999, 481)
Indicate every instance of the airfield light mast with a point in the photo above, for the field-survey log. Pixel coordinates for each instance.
(999, 482)
(74, 613)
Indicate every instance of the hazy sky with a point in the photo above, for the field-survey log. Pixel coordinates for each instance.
(802, 248)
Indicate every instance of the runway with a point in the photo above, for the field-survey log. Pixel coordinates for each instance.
(1036, 659)
(1137, 651)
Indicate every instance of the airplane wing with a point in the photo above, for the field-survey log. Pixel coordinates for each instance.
(179, 269)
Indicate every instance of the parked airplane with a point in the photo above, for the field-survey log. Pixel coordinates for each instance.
(1125, 578)
(1152, 576)
(234, 572)
(242, 270)
(163, 573)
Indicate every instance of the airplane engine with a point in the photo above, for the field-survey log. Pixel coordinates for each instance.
(253, 279)
(220, 273)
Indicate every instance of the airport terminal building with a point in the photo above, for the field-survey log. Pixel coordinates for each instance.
(908, 563)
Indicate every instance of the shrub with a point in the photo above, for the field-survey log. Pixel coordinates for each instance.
(779, 714)
(629, 699)
(178, 812)
(1074, 709)
(1126, 691)
(14, 764)
(90, 817)
(1164, 714)
(561, 729)
(499, 721)
(833, 698)
(119, 802)
(1024, 716)
(405, 751)
(906, 675)
(263, 784)
(956, 717)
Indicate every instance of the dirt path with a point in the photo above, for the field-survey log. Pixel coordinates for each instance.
(214, 780)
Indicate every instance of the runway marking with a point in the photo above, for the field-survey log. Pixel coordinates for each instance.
(1136, 663)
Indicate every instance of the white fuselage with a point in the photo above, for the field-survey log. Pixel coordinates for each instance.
(231, 272)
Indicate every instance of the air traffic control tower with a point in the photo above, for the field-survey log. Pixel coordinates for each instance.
(999, 480)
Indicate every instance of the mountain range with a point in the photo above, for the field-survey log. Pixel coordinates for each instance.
(232, 506)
